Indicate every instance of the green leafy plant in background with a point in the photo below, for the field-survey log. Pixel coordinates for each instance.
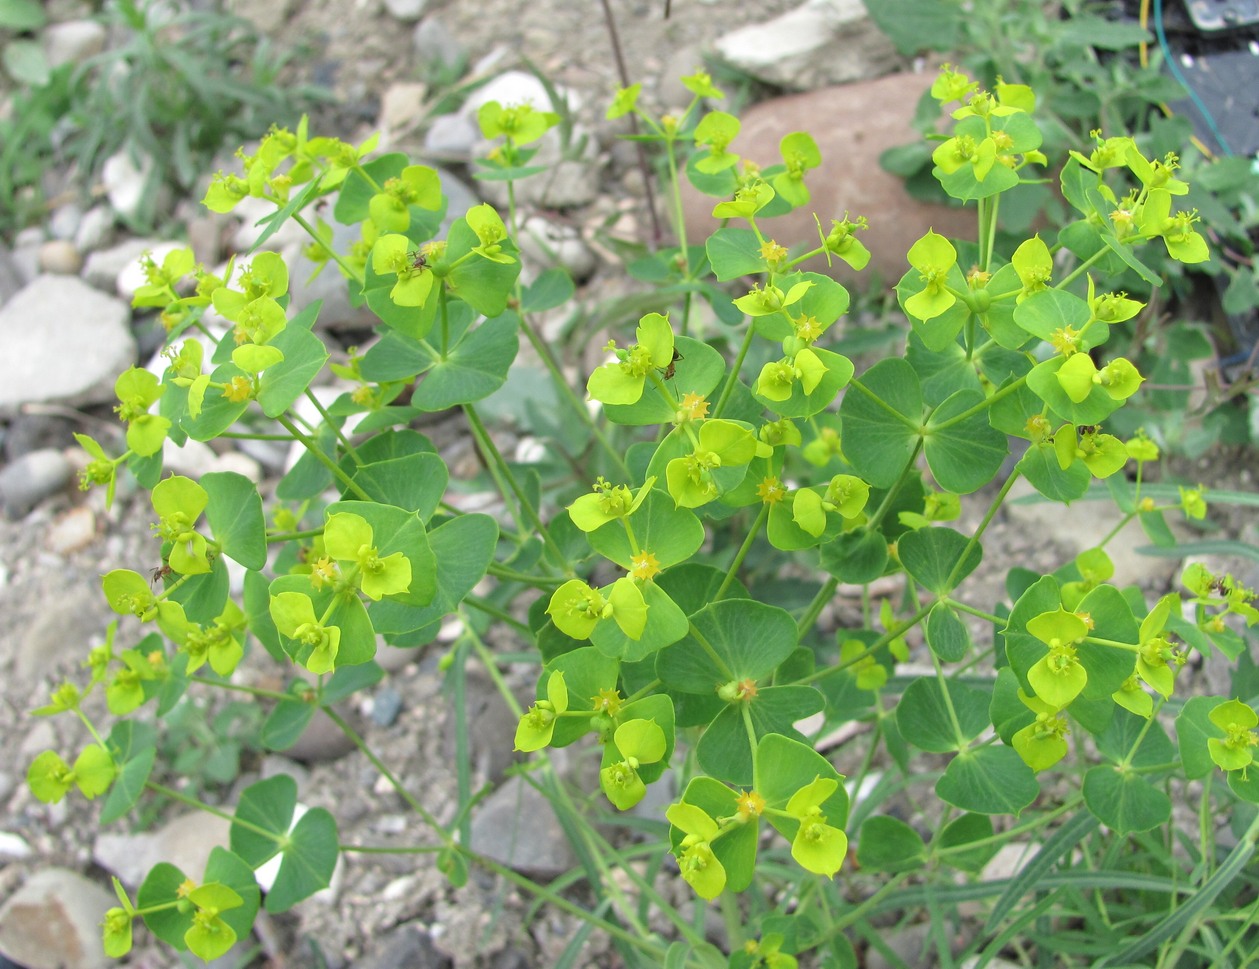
(669, 647)
(1100, 77)
(176, 87)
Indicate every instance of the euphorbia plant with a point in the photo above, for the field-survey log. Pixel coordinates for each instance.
(651, 644)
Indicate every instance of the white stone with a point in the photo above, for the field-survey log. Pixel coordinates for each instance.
(451, 136)
(103, 267)
(822, 42)
(74, 530)
(192, 460)
(13, 846)
(509, 88)
(402, 106)
(94, 228)
(64, 342)
(126, 182)
(185, 841)
(60, 257)
(407, 11)
(73, 42)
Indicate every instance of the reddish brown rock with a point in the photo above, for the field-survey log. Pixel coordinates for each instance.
(853, 125)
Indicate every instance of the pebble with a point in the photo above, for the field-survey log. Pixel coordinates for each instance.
(238, 463)
(406, 947)
(74, 530)
(435, 45)
(60, 257)
(60, 637)
(401, 107)
(10, 277)
(451, 137)
(192, 460)
(73, 42)
(30, 479)
(185, 841)
(53, 921)
(64, 221)
(104, 265)
(126, 184)
(386, 705)
(13, 846)
(321, 741)
(516, 826)
(548, 243)
(820, 43)
(94, 229)
(407, 11)
(269, 16)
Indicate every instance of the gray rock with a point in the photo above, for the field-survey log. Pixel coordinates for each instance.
(386, 705)
(406, 947)
(60, 257)
(185, 841)
(269, 16)
(132, 275)
(34, 432)
(73, 42)
(53, 922)
(451, 137)
(322, 741)
(407, 11)
(489, 724)
(401, 107)
(10, 276)
(31, 478)
(64, 342)
(517, 827)
(820, 43)
(908, 944)
(94, 229)
(435, 45)
(850, 135)
(58, 639)
(549, 243)
(64, 221)
(25, 254)
(72, 532)
(459, 197)
(13, 846)
(104, 266)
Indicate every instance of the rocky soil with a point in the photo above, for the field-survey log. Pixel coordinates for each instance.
(66, 330)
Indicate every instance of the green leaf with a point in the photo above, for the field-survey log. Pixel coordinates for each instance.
(966, 455)
(161, 886)
(463, 548)
(134, 748)
(289, 719)
(309, 859)
(304, 356)
(723, 750)
(267, 805)
(881, 427)
(933, 558)
(26, 63)
(1193, 729)
(922, 716)
(473, 370)
(235, 516)
(947, 636)
(988, 780)
(1125, 802)
(415, 482)
(21, 15)
(959, 833)
(747, 639)
(733, 253)
(552, 289)
(1039, 465)
(889, 844)
(483, 284)
(233, 873)
(859, 556)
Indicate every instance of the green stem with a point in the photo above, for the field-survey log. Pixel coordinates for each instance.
(200, 805)
(490, 450)
(351, 272)
(1066, 280)
(733, 376)
(317, 452)
(511, 575)
(983, 526)
(982, 406)
(336, 427)
(743, 551)
(824, 595)
(276, 537)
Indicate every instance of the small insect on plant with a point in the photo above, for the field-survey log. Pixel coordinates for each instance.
(418, 259)
(672, 367)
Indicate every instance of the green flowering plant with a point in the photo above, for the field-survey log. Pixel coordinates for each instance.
(650, 580)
